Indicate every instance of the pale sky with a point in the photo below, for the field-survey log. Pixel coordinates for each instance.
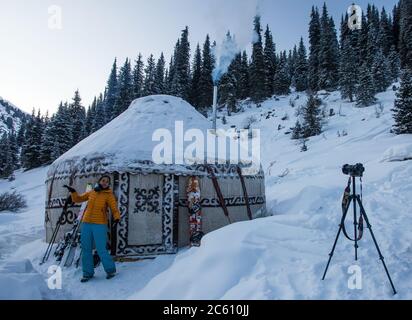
(40, 66)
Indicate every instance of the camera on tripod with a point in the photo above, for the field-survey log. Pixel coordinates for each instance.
(356, 170)
(351, 197)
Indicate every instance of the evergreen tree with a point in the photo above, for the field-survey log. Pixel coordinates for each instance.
(112, 92)
(312, 121)
(150, 75)
(314, 49)
(244, 81)
(297, 131)
(365, 95)
(159, 80)
(381, 72)
(180, 86)
(195, 79)
(282, 79)
(6, 162)
(77, 118)
(385, 35)
(269, 56)
(47, 142)
(31, 150)
(348, 73)
(206, 79)
(98, 114)
(138, 77)
(90, 115)
(20, 134)
(257, 67)
(301, 72)
(14, 150)
(402, 111)
(62, 130)
(396, 17)
(126, 91)
(328, 53)
(405, 33)
(394, 64)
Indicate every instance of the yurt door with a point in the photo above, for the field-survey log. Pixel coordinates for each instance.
(148, 211)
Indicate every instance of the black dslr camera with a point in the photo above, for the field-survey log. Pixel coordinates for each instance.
(356, 170)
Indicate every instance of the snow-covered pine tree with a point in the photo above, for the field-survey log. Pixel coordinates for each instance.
(206, 79)
(88, 123)
(402, 112)
(282, 77)
(348, 60)
(150, 75)
(312, 120)
(47, 141)
(405, 33)
(20, 133)
(386, 35)
(138, 77)
(159, 80)
(14, 150)
(63, 129)
(292, 61)
(195, 78)
(381, 72)
(328, 53)
(125, 93)
(31, 150)
(6, 161)
(257, 67)
(365, 92)
(180, 86)
(314, 49)
(98, 120)
(244, 81)
(77, 118)
(269, 56)
(112, 91)
(394, 64)
(301, 69)
(297, 131)
(170, 76)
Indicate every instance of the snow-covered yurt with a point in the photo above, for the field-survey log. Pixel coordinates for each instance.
(152, 196)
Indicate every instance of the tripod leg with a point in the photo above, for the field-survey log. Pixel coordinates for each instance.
(355, 219)
(375, 242)
(337, 238)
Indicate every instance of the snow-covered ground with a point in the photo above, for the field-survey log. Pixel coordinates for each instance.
(280, 257)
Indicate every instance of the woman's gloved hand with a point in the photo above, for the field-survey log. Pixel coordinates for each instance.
(71, 189)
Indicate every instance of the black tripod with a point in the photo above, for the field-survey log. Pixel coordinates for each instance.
(348, 198)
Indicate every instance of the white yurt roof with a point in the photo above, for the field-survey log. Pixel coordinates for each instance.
(128, 140)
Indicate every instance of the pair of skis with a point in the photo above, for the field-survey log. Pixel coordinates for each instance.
(195, 211)
(68, 251)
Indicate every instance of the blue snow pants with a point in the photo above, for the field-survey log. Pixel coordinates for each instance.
(95, 234)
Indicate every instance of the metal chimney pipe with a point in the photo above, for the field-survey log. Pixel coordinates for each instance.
(215, 108)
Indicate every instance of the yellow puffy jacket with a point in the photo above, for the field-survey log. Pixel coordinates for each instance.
(98, 203)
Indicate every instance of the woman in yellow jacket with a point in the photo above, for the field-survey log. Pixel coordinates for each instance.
(94, 226)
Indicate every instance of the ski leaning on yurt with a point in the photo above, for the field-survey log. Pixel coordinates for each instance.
(152, 197)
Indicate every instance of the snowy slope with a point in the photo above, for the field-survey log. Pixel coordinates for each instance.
(283, 256)
(10, 117)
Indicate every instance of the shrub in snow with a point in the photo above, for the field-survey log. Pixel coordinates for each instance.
(285, 117)
(12, 202)
(248, 122)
